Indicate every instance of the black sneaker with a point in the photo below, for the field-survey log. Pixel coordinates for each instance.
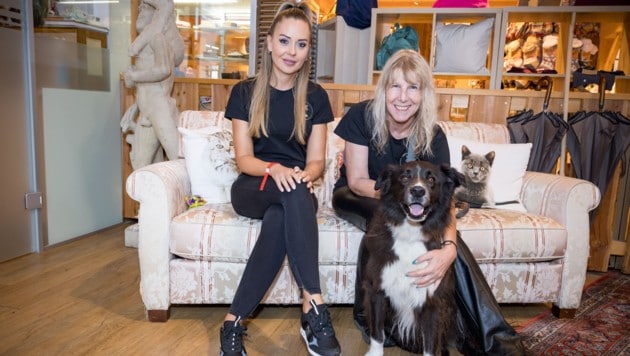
(318, 333)
(232, 339)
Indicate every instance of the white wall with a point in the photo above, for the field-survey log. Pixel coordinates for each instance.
(82, 146)
(82, 153)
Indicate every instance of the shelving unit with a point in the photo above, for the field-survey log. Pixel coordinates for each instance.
(213, 51)
(216, 38)
(221, 50)
(561, 22)
(609, 28)
(424, 21)
(614, 46)
(613, 52)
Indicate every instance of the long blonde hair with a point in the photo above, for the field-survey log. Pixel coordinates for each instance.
(414, 69)
(259, 110)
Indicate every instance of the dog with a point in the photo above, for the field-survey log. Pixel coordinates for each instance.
(414, 212)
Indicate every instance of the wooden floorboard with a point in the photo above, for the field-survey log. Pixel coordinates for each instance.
(82, 298)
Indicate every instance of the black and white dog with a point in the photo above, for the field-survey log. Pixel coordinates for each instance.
(413, 216)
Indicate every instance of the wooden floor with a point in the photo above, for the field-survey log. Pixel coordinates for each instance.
(82, 298)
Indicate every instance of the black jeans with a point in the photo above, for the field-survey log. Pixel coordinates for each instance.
(289, 228)
(478, 311)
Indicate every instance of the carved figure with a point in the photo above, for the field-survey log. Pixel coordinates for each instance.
(159, 49)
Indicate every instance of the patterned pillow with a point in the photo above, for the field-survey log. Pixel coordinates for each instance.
(210, 162)
(334, 160)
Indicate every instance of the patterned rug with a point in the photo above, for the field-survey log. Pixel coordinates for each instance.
(601, 325)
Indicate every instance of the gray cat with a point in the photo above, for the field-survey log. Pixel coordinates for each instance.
(476, 169)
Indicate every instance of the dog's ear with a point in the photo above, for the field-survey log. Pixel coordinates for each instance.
(384, 180)
(453, 175)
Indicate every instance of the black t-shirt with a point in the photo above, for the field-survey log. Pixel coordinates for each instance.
(280, 146)
(355, 127)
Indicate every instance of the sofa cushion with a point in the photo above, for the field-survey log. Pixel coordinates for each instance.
(495, 235)
(214, 232)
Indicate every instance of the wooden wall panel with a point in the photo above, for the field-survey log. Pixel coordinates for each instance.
(601, 227)
(488, 109)
(186, 96)
(220, 95)
(336, 102)
(444, 107)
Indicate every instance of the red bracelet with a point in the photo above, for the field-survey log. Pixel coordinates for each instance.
(267, 170)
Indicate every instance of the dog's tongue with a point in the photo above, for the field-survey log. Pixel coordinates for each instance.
(416, 209)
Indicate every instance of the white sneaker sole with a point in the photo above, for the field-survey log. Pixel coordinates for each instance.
(308, 347)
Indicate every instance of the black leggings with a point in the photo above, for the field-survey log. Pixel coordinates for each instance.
(289, 228)
(478, 311)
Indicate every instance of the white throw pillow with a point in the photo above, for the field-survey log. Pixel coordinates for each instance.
(209, 155)
(462, 48)
(508, 168)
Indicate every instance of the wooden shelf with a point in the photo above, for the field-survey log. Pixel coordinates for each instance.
(425, 21)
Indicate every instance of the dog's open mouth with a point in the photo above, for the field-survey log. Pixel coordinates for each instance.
(416, 212)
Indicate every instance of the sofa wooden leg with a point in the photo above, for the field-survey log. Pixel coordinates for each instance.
(158, 315)
(563, 313)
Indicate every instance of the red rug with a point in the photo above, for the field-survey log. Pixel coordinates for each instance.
(601, 325)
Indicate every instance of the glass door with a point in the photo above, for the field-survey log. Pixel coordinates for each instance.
(17, 183)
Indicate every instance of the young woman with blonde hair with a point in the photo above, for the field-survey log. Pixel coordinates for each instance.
(279, 121)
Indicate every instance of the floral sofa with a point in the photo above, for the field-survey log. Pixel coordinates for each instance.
(196, 255)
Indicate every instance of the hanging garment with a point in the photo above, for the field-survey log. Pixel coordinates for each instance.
(544, 131)
(356, 13)
(596, 141)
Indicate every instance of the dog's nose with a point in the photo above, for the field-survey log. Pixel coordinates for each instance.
(417, 191)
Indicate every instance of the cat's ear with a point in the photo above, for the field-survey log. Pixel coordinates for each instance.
(465, 151)
(490, 157)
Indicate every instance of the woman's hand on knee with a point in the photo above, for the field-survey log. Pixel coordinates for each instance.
(286, 178)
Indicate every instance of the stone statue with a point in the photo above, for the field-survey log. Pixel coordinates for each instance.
(158, 49)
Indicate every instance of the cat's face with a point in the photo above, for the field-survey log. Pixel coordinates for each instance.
(475, 166)
(220, 152)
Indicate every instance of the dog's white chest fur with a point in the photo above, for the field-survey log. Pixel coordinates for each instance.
(403, 294)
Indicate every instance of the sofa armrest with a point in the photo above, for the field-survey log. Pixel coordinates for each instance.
(160, 189)
(568, 201)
